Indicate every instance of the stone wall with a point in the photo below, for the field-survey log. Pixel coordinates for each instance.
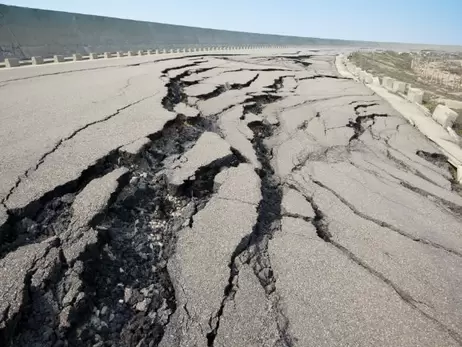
(27, 32)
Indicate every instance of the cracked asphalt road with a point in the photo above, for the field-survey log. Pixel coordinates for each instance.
(213, 200)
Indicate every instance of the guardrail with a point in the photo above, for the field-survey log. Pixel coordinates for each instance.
(442, 115)
(36, 60)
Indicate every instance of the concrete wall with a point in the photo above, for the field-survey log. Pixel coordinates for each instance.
(25, 32)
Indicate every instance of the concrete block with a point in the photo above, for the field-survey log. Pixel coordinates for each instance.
(399, 87)
(58, 58)
(11, 62)
(156, 51)
(131, 54)
(387, 82)
(93, 56)
(149, 52)
(107, 55)
(119, 54)
(444, 116)
(368, 78)
(76, 57)
(459, 174)
(140, 52)
(37, 60)
(415, 95)
(376, 81)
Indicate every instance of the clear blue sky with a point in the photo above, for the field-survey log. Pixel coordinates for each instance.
(416, 21)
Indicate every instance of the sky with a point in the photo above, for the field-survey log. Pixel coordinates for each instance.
(411, 21)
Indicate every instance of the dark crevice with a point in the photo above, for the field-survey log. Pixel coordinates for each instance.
(322, 230)
(213, 94)
(253, 248)
(256, 70)
(358, 127)
(225, 87)
(255, 103)
(437, 159)
(179, 67)
(237, 86)
(298, 59)
(385, 224)
(136, 236)
(48, 215)
(278, 83)
(456, 209)
(297, 216)
(60, 143)
(441, 161)
(357, 107)
(292, 57)
(323, 76)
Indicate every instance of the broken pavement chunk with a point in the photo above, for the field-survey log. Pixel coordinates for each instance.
(209, 148)
(199, 268)
(94, 198)
(247, 321)
(240, 184)
(3, 217)
(135, 147)
(90, 202)
(295, 204)
(187, 111)
(16, 270)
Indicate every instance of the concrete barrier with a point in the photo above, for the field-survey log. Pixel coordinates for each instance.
(415, 95)
(369, 78)
(62, 33)
(76, 57)
(387, 82)
(107, 55)
(399, 87)
(459, 173)
(11, 62)
(140, 52)
(131, 54)
(93, 56)
(58, 58)
(376, 81)
(37, 60)
(119, 54)
(444, 116)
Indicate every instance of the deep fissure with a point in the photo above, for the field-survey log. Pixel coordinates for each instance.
(252, 249)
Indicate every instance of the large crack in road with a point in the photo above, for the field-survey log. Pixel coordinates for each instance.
(269, 210)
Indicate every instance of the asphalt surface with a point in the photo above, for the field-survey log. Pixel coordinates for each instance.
(221, 200)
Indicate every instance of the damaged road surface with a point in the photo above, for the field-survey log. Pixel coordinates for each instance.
(253, 200)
